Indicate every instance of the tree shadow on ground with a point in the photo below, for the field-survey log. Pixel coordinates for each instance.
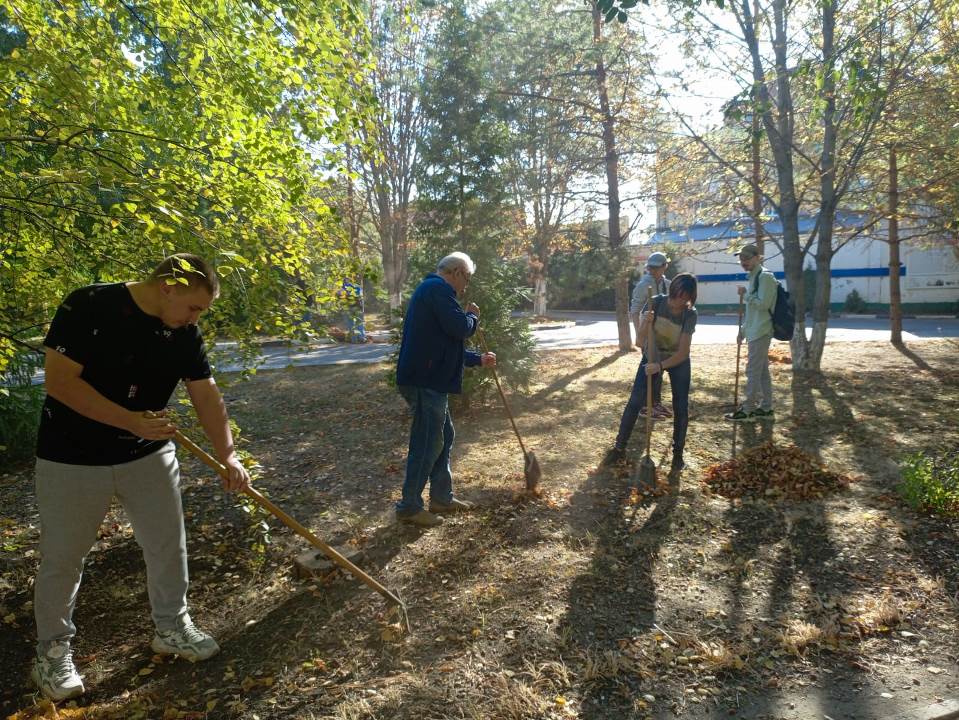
(808, 576)
(627, 531)
(934, 542)
(941, 375)
(807, 571)
(542, 395)
(115, 628)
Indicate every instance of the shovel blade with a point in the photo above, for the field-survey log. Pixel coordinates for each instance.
(532, 471)
(647, 472)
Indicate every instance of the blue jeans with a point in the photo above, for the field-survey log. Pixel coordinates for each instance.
(431, 439)
(679, 379)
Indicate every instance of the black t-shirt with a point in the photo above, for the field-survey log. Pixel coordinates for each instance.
(129, 357)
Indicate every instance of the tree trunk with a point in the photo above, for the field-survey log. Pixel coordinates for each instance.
(612, 182)
(812, 360)
(779, 131)
(757, 195)
(895, 288)
(539, 295)
(354, 228)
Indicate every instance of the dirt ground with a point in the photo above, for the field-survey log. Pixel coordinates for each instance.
(593, 601)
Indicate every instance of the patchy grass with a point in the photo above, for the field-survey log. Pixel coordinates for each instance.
(595, 601)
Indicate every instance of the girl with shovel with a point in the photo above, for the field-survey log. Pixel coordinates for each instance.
(672, 319)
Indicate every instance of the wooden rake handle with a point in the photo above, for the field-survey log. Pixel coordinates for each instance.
(332, 554)
(509, 412)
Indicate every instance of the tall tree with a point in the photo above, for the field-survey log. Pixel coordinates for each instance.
(129, 131)
(819, 89)
(463, 200)
(401, 33)
(461, 180)
(607, 120)
(550, 151)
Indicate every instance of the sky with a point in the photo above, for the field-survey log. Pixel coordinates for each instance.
(696, 93)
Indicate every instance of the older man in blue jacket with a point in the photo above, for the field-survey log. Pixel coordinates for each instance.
(432, 356)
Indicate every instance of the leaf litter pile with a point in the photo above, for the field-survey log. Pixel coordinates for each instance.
(774, 470)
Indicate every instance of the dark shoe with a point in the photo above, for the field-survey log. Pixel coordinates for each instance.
(661, 411)
(420, 519)
(677, 465)
(742, 416)
(764, 414)
(613, 456)
(455, 506)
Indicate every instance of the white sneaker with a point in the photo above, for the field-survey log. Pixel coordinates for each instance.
(187, 641)
(55, 674)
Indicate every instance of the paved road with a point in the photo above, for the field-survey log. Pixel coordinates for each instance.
(594, 329)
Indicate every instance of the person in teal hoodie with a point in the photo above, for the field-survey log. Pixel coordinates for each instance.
(432, 357)
(759, 296)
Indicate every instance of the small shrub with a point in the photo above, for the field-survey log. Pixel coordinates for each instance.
(930, 483)
(20, 402)
(854, 303)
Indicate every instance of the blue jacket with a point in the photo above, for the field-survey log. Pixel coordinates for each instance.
(433, 351)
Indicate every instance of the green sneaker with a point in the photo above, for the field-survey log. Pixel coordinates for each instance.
(742, 416)
(763, 414)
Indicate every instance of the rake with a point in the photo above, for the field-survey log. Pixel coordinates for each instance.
(299, 529)
(531, 469)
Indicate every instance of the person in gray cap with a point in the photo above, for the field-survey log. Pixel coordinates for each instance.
(655, 278)
(759, 296)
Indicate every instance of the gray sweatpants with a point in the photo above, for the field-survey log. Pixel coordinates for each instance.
(759, 386)
(73, 500)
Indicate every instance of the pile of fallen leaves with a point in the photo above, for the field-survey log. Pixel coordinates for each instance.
(780, 356)
(773, 470)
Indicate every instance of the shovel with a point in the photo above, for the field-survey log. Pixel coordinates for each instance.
(647, 467)
(531, 469)
(295, 526)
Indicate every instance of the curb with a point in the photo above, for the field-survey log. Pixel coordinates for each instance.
(553, 326)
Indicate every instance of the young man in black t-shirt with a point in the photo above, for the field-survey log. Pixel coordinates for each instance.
(113, 353)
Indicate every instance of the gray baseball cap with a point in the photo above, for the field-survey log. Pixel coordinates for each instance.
(656, 260)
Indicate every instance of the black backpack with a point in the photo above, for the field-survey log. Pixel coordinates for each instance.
(783, 313)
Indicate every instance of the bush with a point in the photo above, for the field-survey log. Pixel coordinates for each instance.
(854, 303)
(20, 403)
(930, 483)
(584, 280)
